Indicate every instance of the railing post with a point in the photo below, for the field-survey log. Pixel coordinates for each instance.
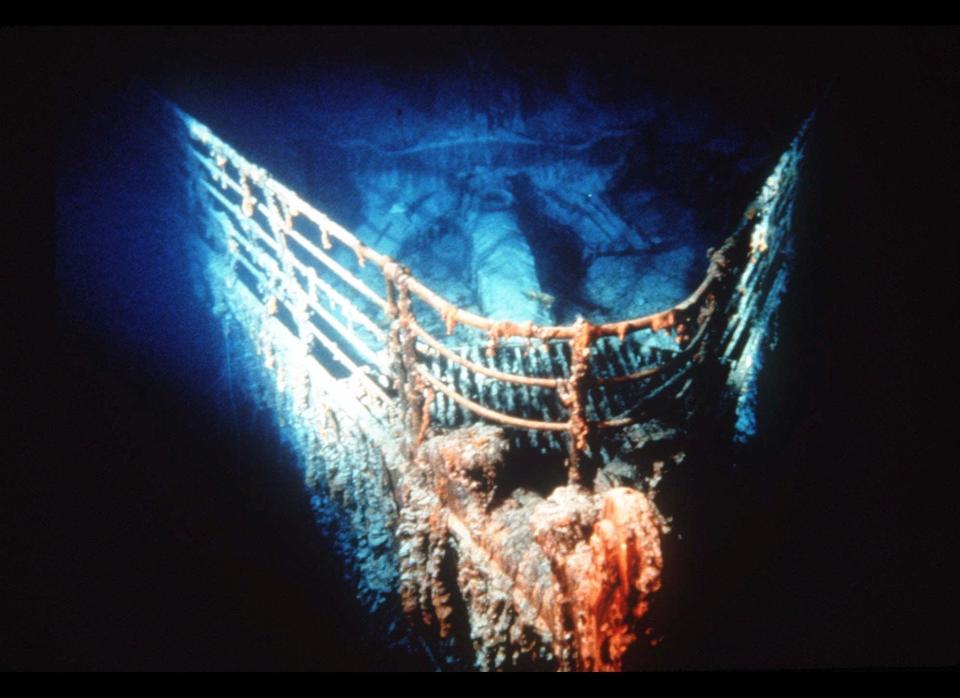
(573, 394)
(414, 387)
(410, 386)
(390, 272)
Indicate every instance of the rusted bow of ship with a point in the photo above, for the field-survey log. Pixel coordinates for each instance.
(499, 478)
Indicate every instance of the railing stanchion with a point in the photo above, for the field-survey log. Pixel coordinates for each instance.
(414, 387)
(574, 396)
(403, 359)
(398, 374)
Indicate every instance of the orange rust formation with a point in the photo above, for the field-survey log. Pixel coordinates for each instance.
(450, 319)
(429, 396)
(616, 578)
(561, 582)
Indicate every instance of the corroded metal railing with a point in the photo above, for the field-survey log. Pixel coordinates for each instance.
(285, 244)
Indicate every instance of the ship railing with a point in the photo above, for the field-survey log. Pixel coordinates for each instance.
(291, 251)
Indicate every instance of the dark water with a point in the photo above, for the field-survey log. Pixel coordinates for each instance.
(157, 527)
